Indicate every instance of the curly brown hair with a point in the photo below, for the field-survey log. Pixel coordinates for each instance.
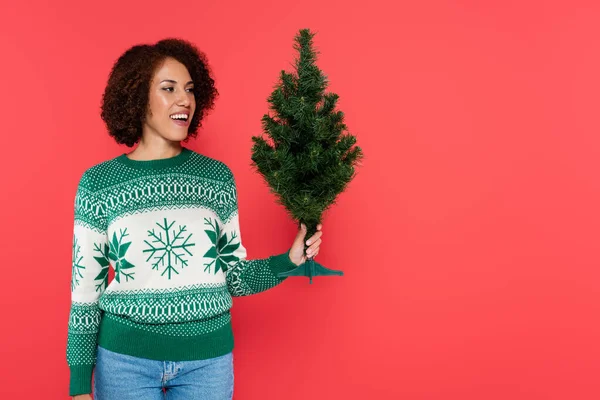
(125, 98)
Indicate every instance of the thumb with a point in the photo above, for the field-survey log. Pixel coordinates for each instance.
(302, 232)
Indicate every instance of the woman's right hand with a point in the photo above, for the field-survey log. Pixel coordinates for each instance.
(82, 397)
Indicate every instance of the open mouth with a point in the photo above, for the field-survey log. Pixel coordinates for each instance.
(180, 118)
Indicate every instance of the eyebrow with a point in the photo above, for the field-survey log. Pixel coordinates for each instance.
(172, 81)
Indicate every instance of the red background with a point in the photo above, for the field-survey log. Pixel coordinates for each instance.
(469, 238)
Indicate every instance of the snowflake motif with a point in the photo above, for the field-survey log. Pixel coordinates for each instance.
(167, 246)
(222, 251)
(77, 267)
(117, 251)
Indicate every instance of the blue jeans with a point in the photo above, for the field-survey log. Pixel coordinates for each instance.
(122, 377)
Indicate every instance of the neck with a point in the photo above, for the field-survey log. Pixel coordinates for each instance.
(155, 150)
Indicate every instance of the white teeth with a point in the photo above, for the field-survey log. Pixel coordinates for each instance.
(179, 116)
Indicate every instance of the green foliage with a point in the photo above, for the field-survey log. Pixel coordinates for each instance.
(306, 155)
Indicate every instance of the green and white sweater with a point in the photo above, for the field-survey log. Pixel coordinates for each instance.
(170, 230)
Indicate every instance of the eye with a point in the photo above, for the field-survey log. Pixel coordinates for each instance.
(168, 89)
(190, 90)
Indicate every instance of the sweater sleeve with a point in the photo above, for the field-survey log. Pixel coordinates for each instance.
(89, 279)
(245, 277)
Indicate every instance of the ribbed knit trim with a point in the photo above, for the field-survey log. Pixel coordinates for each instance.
(281, 263)
(122, 338)
(81, 379)
(156, 164)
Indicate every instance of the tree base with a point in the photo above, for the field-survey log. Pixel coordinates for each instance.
(310, 268)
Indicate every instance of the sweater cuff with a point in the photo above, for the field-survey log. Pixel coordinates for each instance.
(281, 263)
(81, 379)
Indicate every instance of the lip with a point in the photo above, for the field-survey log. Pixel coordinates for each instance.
(180, 122)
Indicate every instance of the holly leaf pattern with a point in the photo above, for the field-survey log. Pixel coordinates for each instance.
(117, 253)
(222, 250)
(104, 262)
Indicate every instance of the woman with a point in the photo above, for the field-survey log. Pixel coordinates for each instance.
(166, 219)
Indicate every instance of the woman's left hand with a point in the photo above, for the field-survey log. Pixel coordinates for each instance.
(297, 251)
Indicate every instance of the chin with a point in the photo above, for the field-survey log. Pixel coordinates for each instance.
(176, 136)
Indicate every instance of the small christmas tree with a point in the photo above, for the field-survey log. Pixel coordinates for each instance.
(305, 158)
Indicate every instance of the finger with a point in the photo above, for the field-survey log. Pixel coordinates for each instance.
(302, 228)
(314, 238)
(315, 245)
(301, 232)
(312, 250)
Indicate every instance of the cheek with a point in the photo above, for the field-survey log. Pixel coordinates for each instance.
(158, 104)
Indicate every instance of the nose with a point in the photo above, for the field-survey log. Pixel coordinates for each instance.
(183, 99)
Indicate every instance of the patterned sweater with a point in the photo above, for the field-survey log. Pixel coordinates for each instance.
(169, 229)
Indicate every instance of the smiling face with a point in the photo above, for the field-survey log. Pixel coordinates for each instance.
(171, 102)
